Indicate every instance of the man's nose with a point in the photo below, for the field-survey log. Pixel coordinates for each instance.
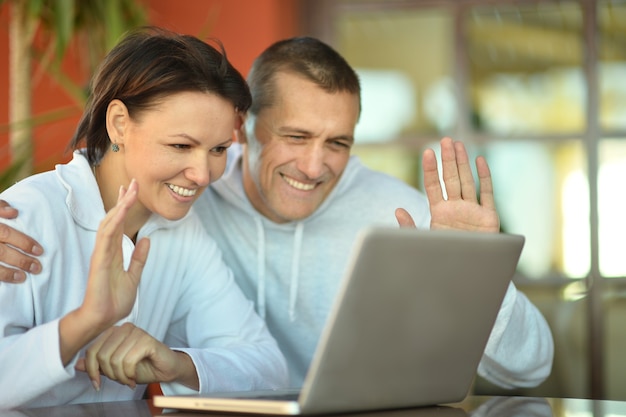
(311, 161)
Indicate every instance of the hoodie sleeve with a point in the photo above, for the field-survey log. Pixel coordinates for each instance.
(30, 360)
(520, 349)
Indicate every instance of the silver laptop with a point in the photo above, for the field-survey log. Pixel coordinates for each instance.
(408, 327)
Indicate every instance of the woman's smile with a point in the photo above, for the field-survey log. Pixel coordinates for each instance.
(181, 191)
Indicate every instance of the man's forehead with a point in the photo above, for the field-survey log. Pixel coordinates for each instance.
(285, 80)
(299, 104)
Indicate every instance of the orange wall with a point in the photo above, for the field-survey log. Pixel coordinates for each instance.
(245, 27)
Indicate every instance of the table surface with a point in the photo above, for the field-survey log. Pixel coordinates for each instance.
(473, 406)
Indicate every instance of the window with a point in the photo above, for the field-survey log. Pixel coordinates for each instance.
(538, 88)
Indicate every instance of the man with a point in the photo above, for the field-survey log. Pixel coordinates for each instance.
(288, 209)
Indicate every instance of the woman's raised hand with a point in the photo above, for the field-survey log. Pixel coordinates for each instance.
(111, 290)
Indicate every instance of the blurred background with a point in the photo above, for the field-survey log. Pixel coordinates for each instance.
(538, 87)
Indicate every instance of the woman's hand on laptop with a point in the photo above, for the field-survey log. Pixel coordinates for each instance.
(131, 356)
(462, 209)
(17, 250)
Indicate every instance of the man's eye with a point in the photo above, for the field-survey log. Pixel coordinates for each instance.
(341, 144)
(295, 137)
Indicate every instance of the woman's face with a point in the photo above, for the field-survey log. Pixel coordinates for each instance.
(176, 149)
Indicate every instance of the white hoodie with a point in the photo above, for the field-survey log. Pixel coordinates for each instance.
(292, 270)
(187, 298)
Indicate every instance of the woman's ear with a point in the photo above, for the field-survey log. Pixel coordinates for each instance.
(116, 121)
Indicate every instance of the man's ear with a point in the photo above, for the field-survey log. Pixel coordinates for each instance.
(117, 119)
(240, 128)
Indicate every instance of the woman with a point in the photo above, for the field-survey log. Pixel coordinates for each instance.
(155, 132)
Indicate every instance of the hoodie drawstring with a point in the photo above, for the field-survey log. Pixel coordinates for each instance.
(261, 272)
(295, 270)
(260, 266)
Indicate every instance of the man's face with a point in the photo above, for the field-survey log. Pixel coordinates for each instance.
(298, 148)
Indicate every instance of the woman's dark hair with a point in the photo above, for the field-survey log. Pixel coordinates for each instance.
(149, 64)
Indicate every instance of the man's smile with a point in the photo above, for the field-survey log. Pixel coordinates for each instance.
(299, 185)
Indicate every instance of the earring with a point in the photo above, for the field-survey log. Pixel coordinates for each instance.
(115, 147)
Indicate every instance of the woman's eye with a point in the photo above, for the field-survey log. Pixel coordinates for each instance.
(180, 146)
(219, 149)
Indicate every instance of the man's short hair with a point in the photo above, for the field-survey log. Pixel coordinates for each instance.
(304, 56)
